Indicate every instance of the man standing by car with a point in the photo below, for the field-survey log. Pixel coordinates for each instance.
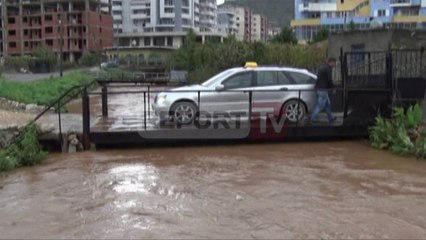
(323, 85)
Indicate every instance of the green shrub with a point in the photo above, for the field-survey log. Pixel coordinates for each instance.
(90, 59)
(16, 63)
(217, 57)
(68, 65)
(404, 133)
(286, 36)
(46, 55)
(25, 151)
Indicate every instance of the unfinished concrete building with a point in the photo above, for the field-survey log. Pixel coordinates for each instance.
(81, 24)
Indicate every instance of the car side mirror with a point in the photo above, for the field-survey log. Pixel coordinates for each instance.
(220, 87)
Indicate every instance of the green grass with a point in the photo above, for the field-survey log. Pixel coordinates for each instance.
(41, 92)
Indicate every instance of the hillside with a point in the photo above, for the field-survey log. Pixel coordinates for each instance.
(279, 11)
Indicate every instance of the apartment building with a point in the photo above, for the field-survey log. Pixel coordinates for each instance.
(242, 23)
(133, 16)
(273, 29)
(338, 15)
(243, 18)
(208, 15)
(259, 25)
(226, 21)
(82, 26)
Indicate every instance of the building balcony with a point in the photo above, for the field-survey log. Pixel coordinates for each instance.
(404, 3)
(117, 17)
(305, 22)
(317, 7)
(117, 8)
(409, 19)
(139, 16)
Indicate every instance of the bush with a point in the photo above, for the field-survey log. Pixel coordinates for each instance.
(25, 151)
(68, 65)
(404, 134)
(215, 57)
(90, 59)
(46, 55)
(286, 36)
(16, 63)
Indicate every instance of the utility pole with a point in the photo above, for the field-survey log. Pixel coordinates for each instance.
(61, 26)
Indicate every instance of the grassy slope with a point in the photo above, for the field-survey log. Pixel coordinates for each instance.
(41, 92)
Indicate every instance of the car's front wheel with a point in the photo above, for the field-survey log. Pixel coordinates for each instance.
(294, 110)
(183, 112)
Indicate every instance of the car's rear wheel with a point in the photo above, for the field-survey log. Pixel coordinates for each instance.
(294, 110)
(183, 112)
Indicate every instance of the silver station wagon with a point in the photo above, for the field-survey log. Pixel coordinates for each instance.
(277, 90)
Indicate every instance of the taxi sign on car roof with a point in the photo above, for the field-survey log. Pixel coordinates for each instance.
(251, 64)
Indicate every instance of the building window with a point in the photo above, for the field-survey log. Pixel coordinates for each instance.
(169, 10)
(159, 41)
(12, 20)
(49, 30)
(48, 18)
(12, 32)
(381, 13)
(357, 58)
(12, 44)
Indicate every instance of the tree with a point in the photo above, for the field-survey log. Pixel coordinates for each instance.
(285, 36)
(352, 26)
(321, 35)
(45, 54)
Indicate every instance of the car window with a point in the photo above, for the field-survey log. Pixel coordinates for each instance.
(283, 79)
(239, 80)
(218, 76)
(267, 78)
(300, 78)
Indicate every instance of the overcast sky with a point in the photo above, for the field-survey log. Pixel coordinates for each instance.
(220, 1)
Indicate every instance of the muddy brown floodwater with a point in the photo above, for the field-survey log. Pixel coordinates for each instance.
(287, 190)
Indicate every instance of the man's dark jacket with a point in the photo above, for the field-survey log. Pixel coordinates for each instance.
(324, 77)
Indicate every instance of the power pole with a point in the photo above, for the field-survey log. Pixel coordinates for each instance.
(61, 22)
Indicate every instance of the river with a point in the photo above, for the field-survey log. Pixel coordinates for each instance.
(284, 190)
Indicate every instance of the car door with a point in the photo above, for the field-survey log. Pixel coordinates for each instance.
(271, 88)
(303, 85)
(233, 97)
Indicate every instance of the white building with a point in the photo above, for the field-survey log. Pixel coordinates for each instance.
(243, 17)
(258, 27)
(226, 21)
(208, 15)
(133, 16)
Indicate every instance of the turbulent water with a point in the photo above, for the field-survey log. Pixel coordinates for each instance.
(288, 190)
